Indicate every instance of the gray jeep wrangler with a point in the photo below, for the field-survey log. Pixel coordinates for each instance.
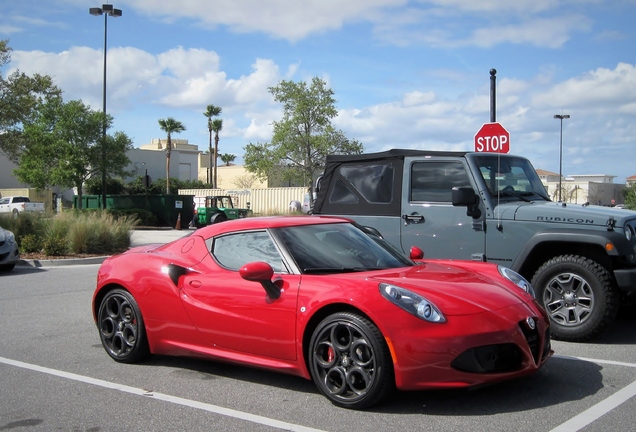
(581, 259)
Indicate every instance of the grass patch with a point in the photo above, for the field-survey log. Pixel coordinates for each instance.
(72, 232)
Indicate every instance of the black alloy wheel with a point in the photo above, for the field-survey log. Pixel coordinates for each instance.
(350, 361)
(121, 327)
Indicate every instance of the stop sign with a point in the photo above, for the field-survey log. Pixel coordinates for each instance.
(493, 138)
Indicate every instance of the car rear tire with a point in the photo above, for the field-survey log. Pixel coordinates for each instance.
(350, 362)
(578, 295)
(121, 327)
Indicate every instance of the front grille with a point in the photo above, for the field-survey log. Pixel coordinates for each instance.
(489, 359)
(532, 337)
(547, 346)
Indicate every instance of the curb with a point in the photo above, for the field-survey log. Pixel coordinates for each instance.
(61, 262)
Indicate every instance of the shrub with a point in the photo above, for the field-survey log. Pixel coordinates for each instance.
(80, 232)
(101, 233)
(30, 243)
(55, 241)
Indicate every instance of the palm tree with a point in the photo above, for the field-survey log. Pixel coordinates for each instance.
(227, 158)
(212, 111)
(170, 126)
(217, 125)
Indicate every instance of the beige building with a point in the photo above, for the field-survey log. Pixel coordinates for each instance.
(597, 189)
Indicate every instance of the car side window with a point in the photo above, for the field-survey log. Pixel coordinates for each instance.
(434, 181)
(235, 250)
(4, 201)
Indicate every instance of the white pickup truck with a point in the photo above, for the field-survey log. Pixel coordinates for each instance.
(18, 204)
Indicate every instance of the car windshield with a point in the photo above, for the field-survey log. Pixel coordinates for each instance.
(337, 248)
(511, 177)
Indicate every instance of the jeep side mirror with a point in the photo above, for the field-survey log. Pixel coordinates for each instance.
(466, 197)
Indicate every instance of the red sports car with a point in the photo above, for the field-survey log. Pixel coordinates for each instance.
(324, 299)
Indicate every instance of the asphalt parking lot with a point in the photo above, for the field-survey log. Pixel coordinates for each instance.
(54, 375)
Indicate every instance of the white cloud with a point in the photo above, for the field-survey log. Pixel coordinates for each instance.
(599, 90)
(280, 18)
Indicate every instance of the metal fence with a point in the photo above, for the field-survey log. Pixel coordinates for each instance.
(261, 201)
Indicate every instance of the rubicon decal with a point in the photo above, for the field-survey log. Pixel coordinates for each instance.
(568, 220)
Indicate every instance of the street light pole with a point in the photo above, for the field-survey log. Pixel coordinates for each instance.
(561, 117)
(105, 10)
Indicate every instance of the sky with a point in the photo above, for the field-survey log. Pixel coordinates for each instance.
(405, 73)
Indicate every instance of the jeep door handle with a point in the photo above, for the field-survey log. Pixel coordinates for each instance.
(413, 218)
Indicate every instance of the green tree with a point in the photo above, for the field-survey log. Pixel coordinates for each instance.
(170, 126)
(227, 158)
(63, 147)
(114, 185)
(20, 98)
(630, 197)
(303, 138)
(213, 126)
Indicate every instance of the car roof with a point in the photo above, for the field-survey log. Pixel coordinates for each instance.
(267, 222)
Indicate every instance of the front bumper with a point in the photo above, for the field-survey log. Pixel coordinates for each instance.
(9, 254)
(471, 350)
(626, 279)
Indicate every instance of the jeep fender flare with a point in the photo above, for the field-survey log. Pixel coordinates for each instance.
(574, 236)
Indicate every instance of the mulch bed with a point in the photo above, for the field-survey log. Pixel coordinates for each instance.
(41, 257)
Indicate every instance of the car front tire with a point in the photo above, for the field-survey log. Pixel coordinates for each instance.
(121, 327)
(350, 362)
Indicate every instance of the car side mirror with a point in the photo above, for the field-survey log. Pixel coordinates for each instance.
(416, 253)
(261, 272)
(466, 197)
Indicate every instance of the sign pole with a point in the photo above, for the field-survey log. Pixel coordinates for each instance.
(493, 96)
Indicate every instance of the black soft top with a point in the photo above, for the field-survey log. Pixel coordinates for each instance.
(380, 172)
(393, 153)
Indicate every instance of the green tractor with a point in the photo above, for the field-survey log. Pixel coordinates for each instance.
(217, 209)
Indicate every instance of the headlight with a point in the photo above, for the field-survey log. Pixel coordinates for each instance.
(10, 237)
(517, 279)
(628, 232)
(412, 303)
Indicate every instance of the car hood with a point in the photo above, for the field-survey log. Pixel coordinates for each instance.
(456, 290)
(4, 234)
(563, 213)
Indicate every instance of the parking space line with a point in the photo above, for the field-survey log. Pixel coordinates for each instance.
(598, 361)
(161, 396)
(595, 412)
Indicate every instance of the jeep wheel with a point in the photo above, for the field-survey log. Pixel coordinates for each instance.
(219, 217)
(578, 295)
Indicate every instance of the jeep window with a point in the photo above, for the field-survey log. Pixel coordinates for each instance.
(434, 181)
(373, 182)
(510, 177)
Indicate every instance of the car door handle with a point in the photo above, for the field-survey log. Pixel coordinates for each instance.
(195, 283)
(413, 218)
